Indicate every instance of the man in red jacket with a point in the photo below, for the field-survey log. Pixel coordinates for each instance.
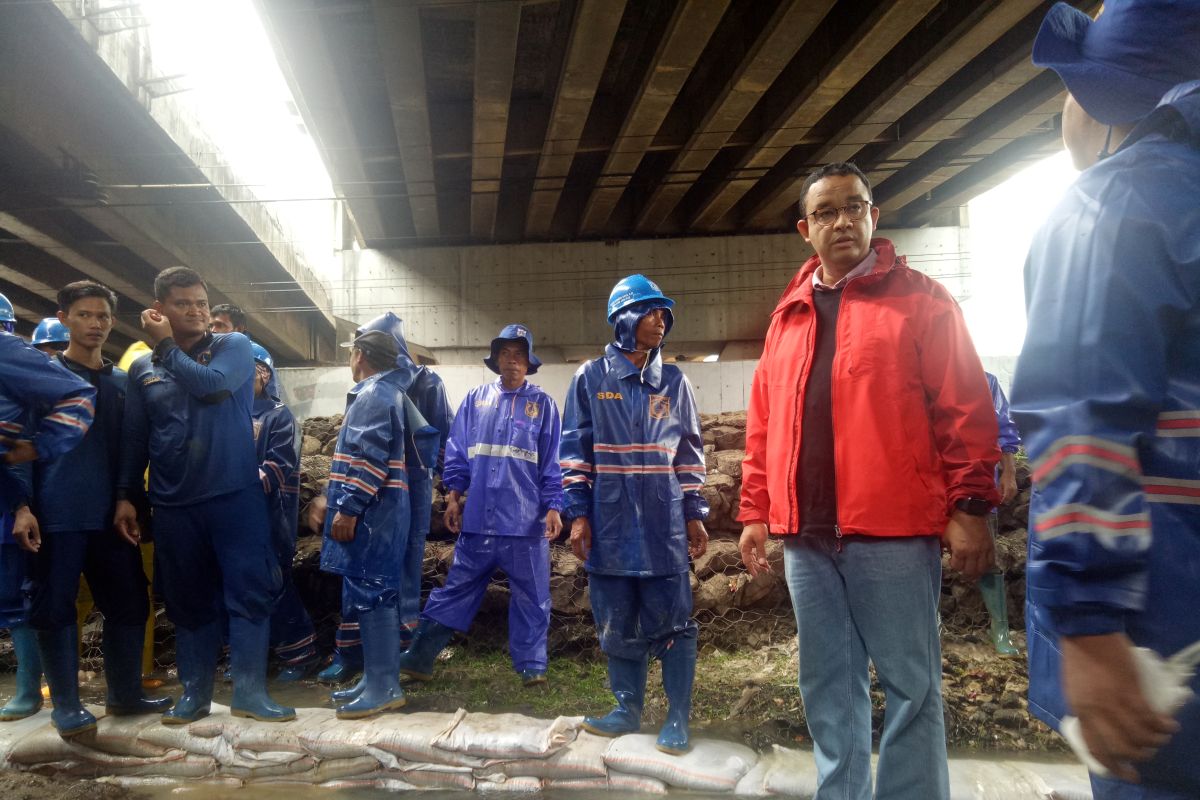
(870, 444)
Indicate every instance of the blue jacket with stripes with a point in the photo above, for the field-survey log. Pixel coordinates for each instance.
(503, 452)
(1107, 396)
(633, 463)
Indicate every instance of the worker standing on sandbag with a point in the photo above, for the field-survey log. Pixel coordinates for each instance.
(28, 382)
(275, 434)
(74, 502)
(188, 414)
(503, 454)
(633, 466)
(369, 508)
(428, 394)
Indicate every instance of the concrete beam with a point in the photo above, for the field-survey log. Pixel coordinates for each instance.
(50, 293)
(399, 32)
(295, 30)
(782, 36)
(923, 61)
(875, 35)
(496, 28)
(687, 34)
(592, 37)
(31, 307)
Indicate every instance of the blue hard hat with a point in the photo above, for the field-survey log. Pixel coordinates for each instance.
(635, 289)
(513, 333)
(50, 331)
(261, 354)
(7, 314)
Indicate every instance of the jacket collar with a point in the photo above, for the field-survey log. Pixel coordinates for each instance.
(799, 290)
(106, 366)
(623, 368)
(518, 391)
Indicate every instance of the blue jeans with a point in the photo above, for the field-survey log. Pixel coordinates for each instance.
(875, 600)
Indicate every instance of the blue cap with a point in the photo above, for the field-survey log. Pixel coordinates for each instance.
(513, 333)
(1118, 66)
(635, 289)
(50, 331)
(261, 354)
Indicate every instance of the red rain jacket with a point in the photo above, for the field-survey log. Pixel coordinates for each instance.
(913, 422)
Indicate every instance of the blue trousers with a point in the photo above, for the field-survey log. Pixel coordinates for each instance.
(526, 562)
(876, 600)
(639, 617)
(292, 634)
(113, 568)
(1112, 789)
(15, 568)
(217, 550)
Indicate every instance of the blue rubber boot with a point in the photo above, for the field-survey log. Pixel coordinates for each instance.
(991, 586)
(123, 672)
(196, 653)
(417, 661)
(248, 642)
(340, 670)
(28, 699)
(299, 671)
(678, 672)
(381, 690)
(60, 660)
(533, 677)
(627, 677)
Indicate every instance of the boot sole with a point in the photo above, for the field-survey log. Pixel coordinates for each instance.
(672, 751)
(174, 720)
(392, 705)
(608, 734)
(237, 712)
(13, 717)
(71, 734)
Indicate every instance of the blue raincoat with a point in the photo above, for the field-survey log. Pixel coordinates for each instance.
(633, 462)
(1107, 395)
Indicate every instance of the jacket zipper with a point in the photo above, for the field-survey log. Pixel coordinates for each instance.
(794, 510)
(837, 537)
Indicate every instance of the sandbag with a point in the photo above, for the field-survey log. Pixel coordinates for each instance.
(524, 785)
(249, 734)
(44, 745)
(790, 773)
(506, 735)
(387, 784)
(582, 758)
(411, 738)
(121, 736)
(709, 766)
(614, 781)
(333, 738)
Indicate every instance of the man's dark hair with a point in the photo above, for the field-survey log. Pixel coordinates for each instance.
(176, 278)
(237, 317)
(378, 359)
(77, 290)
(839, 168)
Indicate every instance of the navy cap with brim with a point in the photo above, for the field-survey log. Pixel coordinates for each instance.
(1109, 93)
(513, 333)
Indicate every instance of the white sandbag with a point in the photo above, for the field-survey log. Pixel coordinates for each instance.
(267, 769)
(582, 758)
(177, 737)
(980, 779)
(388, 784)
(410, 736)
(506, 735)
(15, 731)
(335, 738)
(44, 745)
(790, 773)
(249, 734)
(435, 779)
(710, 766)
(188, 767)
(754, 782)
(120, 736)
(524, 785)
(614, 781)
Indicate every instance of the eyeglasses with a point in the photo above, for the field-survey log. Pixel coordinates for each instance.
(854, 212)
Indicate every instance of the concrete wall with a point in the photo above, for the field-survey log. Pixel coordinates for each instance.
(454, 299)
(722, 386)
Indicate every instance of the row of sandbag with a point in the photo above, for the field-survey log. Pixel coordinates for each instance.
(489, 753)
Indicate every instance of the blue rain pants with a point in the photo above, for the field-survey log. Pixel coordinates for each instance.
(113, 568)
(14, 585)
(640, 617)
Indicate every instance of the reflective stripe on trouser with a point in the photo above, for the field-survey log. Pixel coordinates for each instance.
(218, 549)
(292, 634)
(526, 562)
(875, 600)
(641, 616)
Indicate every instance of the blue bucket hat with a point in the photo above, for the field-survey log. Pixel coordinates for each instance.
(1119, 65)
(513, 333)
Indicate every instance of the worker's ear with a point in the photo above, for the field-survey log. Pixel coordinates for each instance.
(802, 226)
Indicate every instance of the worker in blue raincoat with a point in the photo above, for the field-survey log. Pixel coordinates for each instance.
(503, 455)
(991, 584)
(275, 434)
(368, 509)
(188, 415)
(74, 501)
(1107, 396)
(633, 466)
(50, 336)
(428, 394)
(44, 412)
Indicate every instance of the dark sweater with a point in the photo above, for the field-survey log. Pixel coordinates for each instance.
(816, 483)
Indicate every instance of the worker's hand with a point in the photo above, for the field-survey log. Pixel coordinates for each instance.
(1008, 485)
(26, 531)
(156, 326)
(972, 551)
(315, 515)
(126, 522)
(20, 451)
(343, 526)
(553, 524)
(753, 546)
(697, 538)
(453, 515)
(581, 537)
(1100, 681)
